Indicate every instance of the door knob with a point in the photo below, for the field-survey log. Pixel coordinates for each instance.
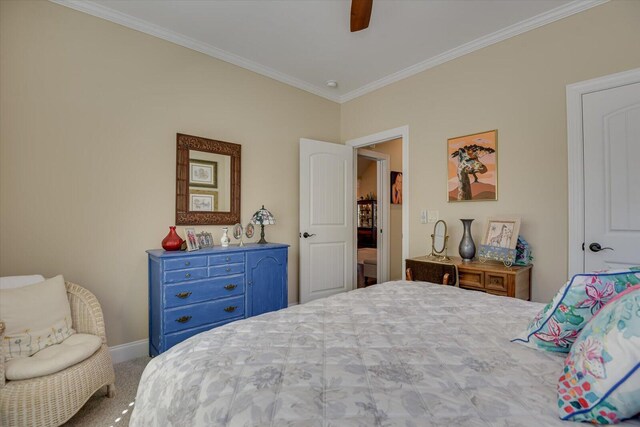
(595, 247)
(307, 235)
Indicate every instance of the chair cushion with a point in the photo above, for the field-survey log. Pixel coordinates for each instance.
(52, 359)
(10, 282)
(35, 316)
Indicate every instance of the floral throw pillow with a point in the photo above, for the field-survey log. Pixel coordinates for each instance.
(601, 378)
(559, 323)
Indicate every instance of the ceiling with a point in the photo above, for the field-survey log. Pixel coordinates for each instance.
(305, 43)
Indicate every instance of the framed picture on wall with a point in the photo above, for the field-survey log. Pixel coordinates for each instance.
(203, 173)
(472, 165)
(396, 188)
(203, 200)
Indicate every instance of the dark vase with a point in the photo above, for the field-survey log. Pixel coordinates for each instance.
(172, 242)
(467, 248)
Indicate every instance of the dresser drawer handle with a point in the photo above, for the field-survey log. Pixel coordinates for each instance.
(228, 259)
(228, 269)
(230, 287)
(187, 263)
(187, 275)
(231, 308)
(183, 319)
(183, 295)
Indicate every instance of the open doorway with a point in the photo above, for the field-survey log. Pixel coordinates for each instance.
(379, 212)
(372, 260)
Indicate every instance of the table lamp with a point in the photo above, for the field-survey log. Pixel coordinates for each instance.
(263, 217)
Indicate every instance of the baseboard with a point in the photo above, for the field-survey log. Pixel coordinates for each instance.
(131, 350)
(291, 304)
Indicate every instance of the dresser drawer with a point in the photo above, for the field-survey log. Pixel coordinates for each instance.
(225, 270)
(226, 259)
(185, 275)
(187, 317)
(471, 278)
(187, 262)
(495, 281)
(177, 337)
(203, 290)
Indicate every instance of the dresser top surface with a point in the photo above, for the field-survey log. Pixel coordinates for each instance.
(216, 250)
(476, 265)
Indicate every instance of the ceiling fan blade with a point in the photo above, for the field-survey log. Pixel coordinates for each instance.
(360, 14)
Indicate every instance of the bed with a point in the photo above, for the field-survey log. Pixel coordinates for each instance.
(398, 353)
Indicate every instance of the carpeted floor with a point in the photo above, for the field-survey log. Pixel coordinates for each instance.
(100, 411)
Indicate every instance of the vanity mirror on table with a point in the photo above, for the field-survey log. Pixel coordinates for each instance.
(207, 181)
(439, 240)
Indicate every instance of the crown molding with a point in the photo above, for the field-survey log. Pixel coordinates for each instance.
(553, 15)
(94, 9)
(143, 26)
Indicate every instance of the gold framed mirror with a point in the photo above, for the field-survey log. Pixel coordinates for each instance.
(439, 240)
(207, 181)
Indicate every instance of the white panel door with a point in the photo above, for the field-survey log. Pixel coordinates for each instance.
(611, 126)
(326, 219)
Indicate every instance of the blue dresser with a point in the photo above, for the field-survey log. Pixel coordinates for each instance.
(192, 292)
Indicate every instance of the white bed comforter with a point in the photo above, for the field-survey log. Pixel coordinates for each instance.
(395, 354)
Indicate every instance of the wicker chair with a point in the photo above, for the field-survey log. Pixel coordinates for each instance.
(51, 400)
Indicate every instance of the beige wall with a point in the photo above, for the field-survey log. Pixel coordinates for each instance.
(394, 149)
(518, 87)
(367, 179)
(89, 112)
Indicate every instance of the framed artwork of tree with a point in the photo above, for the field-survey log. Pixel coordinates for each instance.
(472, 165)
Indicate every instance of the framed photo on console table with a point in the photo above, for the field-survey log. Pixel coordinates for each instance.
(500, 239)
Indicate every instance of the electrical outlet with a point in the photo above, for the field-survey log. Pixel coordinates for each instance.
(432, 216)
(423, 216)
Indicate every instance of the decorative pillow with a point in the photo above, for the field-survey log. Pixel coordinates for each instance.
(601, 378)
(35, 317)
(558, 324)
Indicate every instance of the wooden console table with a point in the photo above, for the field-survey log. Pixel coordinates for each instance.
(490, 277)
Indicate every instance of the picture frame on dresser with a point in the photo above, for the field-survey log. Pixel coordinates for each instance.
(191, 238)
(501, 232)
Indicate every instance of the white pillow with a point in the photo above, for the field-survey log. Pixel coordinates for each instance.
(10, 282)
(35, 316)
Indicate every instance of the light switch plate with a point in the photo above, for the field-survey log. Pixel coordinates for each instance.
(423, 216)
(432, 216)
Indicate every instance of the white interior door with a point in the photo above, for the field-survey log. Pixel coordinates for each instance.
(611, 129)
(326, 219)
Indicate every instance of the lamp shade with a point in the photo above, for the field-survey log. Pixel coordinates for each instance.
(263, 217)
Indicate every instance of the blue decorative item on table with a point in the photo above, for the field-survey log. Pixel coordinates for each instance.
(495, 253)
(523, 252)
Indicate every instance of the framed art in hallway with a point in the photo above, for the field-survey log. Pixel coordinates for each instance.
(396, 188)
(472, 167)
